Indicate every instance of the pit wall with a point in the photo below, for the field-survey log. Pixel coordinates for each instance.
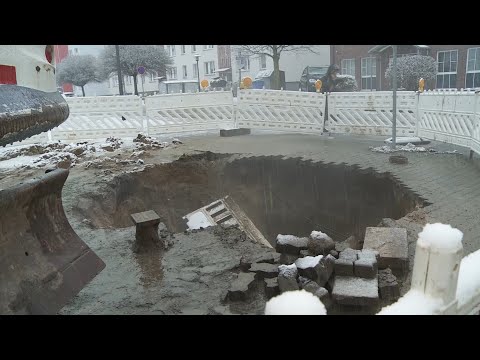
(449, 116)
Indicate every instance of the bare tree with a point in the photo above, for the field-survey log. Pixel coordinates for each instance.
(274, 51)
(78, 70)
(152, 57)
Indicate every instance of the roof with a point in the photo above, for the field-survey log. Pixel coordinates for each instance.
(380, 48)
(263, 74)
(222, 70)
(180, 82)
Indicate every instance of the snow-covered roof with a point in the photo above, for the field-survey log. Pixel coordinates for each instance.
(263, 74)
(222, 70)
(180, 81)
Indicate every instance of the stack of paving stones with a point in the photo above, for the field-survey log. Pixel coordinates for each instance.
(334, 272)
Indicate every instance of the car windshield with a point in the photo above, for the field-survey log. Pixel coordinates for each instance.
(317, 70)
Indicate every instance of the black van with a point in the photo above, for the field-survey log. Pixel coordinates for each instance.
(309, 75)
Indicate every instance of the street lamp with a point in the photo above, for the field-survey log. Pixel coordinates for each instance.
(197, 57)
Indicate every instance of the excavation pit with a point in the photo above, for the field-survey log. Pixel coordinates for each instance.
(280, 195)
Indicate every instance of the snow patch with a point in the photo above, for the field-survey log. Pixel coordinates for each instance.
(289, 239)
(198, 220)
(288, 270)
(440, 237)
(318, 235)
(413, 303)
(468, 285)
(298, 302)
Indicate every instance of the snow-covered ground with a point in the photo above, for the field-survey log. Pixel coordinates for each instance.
(70, 154)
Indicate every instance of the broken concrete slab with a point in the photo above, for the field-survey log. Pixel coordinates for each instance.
(387, 222)
(269, 258)
(391, 244)
(271, 287)
(365, 267)
(387, 285)
(263, 270)
(320, 243)
(287, 278)
(234, 132)
(343, 267)
(241, 287)
(349, 290)
(290, 244)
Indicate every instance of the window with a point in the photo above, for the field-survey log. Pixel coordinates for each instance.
(182, 49)
(209, 67)
(153, 75)
(184, 71)
(245, 63)
(76, 51)
(369, 73)
(263, 61)
(348, 67)
(447, 69)
(70, 52)
(172, 72)
(195, 70)
(194, 48)
(171, 50)
(207, 47)
(473, 68)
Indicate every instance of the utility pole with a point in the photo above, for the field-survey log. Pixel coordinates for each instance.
(119, 71)
(394, 129)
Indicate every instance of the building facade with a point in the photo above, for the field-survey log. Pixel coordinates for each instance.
(458, 66)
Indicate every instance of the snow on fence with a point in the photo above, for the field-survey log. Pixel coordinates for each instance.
(371, 112)
(449, 116)
(189, 112)
(101, 117)
(280, 110)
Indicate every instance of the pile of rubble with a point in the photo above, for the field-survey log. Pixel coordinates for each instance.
(387, 149)
(332, 271)
(144, 142)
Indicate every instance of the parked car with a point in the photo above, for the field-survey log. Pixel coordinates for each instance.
(309, 75)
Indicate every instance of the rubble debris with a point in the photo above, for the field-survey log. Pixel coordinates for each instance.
(290, 244)
(241, 287)
(288, 259)
(287, 278)
(349, 290)
(387, 149)
(320, 243)
(271, 287)
(391, 244)
(343, 267)
(388, 285)
(263, 270)
(334, 253)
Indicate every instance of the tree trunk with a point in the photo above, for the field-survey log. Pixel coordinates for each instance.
(276, 69)
(83, 91)
(135, 84)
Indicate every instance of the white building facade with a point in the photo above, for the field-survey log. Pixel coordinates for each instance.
(183, 73)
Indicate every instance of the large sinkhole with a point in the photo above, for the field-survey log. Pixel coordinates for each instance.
(280, 195)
